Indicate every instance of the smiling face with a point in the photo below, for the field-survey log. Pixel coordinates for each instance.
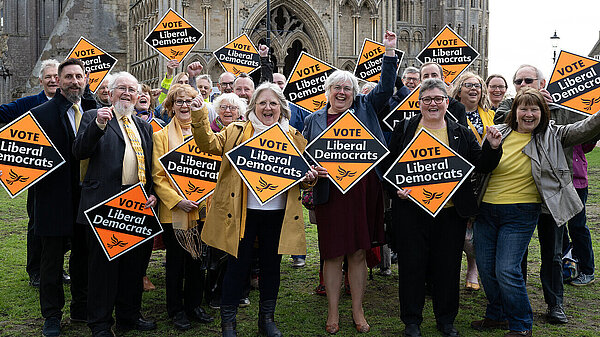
(528, 118)
(102, 92)
(182, 107)
(470, 96)
(496, 89)
(125, 93)
(72, 82)
(433, 112)
(244, 87)
(143, 102)
(49, 80)
(268, 107)
(204, 87)
(525, 74)
(341, 97)
(228, 112)
(430, 71)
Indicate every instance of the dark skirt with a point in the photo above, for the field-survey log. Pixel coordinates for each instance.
(352, 221)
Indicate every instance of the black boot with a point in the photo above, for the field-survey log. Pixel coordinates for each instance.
(228, 324)
(266, 323)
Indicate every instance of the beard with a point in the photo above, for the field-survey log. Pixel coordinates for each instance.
(72, 96)
(123, 109)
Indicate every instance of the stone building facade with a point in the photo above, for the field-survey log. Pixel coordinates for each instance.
(332, 30)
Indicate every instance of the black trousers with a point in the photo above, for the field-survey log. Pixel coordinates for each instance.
(115, 284)
(34, 242)
(266, 225)
(430, 243)
(184, 276)
(551, 236)
(52, 297)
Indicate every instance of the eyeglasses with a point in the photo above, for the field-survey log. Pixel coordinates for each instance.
(498, 87)
(436, 99)
(527, 80)
(342, 88)
(180, 102)
(230, 107)
(129, 90)
(227, 84)
(472, 85)
(411, 79)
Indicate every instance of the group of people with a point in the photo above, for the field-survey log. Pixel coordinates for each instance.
(521, 149)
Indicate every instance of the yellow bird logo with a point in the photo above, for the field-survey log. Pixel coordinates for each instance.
(343, 174)
(193, 189)
(430, 196)
(15, 178)
(265, 186)
(590, 102)
(114, 242)
(318, 104)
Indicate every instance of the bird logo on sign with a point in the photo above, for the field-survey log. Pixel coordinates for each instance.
(193, 189)
(344, 173)
(264, 186)
(175, 53)
(114, 242)
(15, 178)
(430, 196)
(448, 72)
(318, 103)
(590, 102)
(235, 70)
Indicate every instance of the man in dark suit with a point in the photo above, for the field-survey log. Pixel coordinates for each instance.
(56, 199)
(108, 137)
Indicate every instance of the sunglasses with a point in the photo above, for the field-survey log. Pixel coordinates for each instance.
(527, 80)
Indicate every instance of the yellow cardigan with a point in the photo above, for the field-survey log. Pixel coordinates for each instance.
(227, 212)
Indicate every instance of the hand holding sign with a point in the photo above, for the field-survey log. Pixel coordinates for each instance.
(389, 42)
(493, 136)
(171, 65)
(151, 201)
(187, 205)
(310, 176)
(546, 95)
(403, 194)
(321, 171)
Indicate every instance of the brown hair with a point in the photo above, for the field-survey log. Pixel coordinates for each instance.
(529, 96)
(146, 88)
(174, 91)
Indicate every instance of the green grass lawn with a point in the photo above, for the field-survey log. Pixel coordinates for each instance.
(300, 312)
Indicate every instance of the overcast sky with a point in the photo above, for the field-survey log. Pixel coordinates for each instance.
(520, 32)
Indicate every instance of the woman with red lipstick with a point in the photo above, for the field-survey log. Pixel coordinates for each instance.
(181, 218)
(351, 223)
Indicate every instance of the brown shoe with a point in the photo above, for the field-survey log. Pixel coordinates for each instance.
(488, 324)
(148, 286)
(526, 333)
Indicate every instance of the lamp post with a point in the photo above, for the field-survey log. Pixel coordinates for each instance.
(555, 40)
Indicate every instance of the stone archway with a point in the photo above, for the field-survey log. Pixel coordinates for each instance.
(295, 27)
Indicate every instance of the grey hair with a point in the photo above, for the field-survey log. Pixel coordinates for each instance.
(410, 70)
(432, 83)
(340, 76)
(538, 72)
(205, 77)
(283, 103)
(47, 64)
(112, 84)
(233, 99)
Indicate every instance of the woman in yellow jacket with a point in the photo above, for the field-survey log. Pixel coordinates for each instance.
(180, 217)
(236, 218)
(471, 91)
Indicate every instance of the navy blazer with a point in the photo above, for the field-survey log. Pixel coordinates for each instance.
(105, 150)
(366, 109)
(10, 111)
(56, 196)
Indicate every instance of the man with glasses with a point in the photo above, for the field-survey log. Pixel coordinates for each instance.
(549, 234)
(225, 84)
(410, 78)
(118, 145)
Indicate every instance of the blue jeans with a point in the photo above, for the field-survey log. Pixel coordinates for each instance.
(501, 236)
(581, 237)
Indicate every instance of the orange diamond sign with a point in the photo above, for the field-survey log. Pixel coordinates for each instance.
(98, 63)
(193, 173)
(575, 83)
(121, 223)
(173, 36)
(348, 150)
(450, 51)
(269, 163)
(431, 170)
(368, 67)
(305, 87)
(238, 56)
(26, 155)
(155, 125)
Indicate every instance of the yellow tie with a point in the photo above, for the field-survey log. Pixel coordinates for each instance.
(77, 116)
(137, 148)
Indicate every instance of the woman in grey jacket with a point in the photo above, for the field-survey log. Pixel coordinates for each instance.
(533, 176)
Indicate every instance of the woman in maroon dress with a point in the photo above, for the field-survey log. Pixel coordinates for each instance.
(350, 223)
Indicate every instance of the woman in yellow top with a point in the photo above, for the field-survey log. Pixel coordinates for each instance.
(532, 172)
(236, 218)
(179, 217)
(471, 91)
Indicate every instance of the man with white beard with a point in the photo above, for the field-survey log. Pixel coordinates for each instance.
(108, 137)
